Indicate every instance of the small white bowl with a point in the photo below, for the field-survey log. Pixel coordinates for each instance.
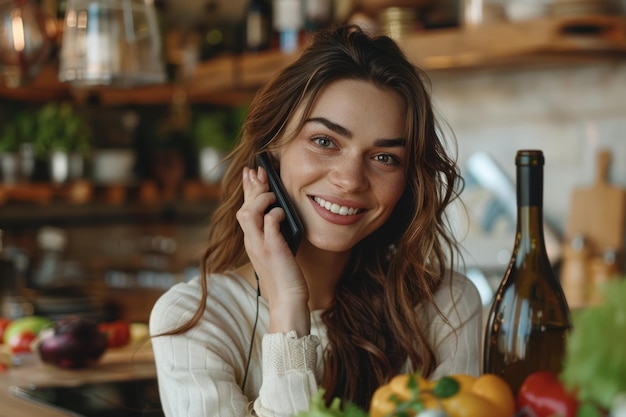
(113, 165)
(525, 10)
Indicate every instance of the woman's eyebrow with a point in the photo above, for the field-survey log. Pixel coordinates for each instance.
(340, 130)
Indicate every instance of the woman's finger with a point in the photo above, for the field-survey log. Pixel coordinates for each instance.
(250, 215)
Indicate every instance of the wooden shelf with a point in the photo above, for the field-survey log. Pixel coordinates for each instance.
(45, 87)
(224, 80)
(32, 203)
(234, 79)
(537, 42)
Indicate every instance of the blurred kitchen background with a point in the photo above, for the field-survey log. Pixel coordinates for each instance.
(106, 226)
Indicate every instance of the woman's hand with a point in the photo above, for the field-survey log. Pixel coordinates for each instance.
(281, 280)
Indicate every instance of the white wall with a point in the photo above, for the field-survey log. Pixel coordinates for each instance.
(567, 111)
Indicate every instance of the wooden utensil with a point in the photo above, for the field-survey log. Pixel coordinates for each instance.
(598, 211)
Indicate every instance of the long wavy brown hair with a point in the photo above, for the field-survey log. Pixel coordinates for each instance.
(372, 324)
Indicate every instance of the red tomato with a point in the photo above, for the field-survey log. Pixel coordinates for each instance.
(4, 323)
(546, 396)
(118, 333)
(20, 342)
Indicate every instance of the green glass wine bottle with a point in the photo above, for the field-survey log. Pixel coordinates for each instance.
(529, 318)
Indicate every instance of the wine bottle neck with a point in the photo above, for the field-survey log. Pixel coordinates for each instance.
(529, 186)
(530, 208)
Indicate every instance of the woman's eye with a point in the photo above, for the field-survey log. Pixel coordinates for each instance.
(323, 141)
(387, 159)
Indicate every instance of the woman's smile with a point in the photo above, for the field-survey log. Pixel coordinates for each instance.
(337, 214)
(336, 208)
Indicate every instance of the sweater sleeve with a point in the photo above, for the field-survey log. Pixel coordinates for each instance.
(200, 371)
(289, 379)
(197, 370)
(457, 342)
(195, 390)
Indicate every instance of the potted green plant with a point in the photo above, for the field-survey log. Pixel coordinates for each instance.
(16, 151)
(214, 135)
(63, 136)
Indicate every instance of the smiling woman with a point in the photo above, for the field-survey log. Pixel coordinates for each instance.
(371, 291)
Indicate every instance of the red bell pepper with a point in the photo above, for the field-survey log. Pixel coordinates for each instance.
(21, 342)
(544, 394)
(118, 333)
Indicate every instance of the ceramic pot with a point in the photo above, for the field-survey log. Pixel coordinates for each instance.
(65, 166)
(210, 165)
(9, 167)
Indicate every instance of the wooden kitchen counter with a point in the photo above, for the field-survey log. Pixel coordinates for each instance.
(127, 363)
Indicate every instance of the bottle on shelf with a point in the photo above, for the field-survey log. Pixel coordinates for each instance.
(529, 318)
(214, 37)
(258, 25)
(575, 271)
(288, 22)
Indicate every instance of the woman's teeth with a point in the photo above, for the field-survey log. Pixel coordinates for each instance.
(336, 208)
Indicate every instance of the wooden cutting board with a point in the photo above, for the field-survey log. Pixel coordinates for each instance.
(599, 210)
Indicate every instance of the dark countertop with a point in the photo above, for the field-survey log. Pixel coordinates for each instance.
(121, 364)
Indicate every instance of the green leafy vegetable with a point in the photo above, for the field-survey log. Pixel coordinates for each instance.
(446, 387)
(595, 358)
(318, 408)
(588, 410)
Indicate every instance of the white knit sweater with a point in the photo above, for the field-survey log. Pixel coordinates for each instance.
(201, 371)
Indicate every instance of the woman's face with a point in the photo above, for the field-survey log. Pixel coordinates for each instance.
(345, 170)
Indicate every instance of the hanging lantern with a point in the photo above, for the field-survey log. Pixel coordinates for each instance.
(24, 42)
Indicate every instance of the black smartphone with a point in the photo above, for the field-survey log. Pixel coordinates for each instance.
(291, 228)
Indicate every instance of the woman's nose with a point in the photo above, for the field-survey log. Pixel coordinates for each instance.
(349, 174)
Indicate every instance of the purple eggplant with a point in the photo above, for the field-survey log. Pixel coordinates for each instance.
(74, 343)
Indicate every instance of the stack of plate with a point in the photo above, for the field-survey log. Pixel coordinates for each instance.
(582, 7)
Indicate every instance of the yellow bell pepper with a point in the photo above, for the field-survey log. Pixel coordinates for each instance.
(458, 395)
